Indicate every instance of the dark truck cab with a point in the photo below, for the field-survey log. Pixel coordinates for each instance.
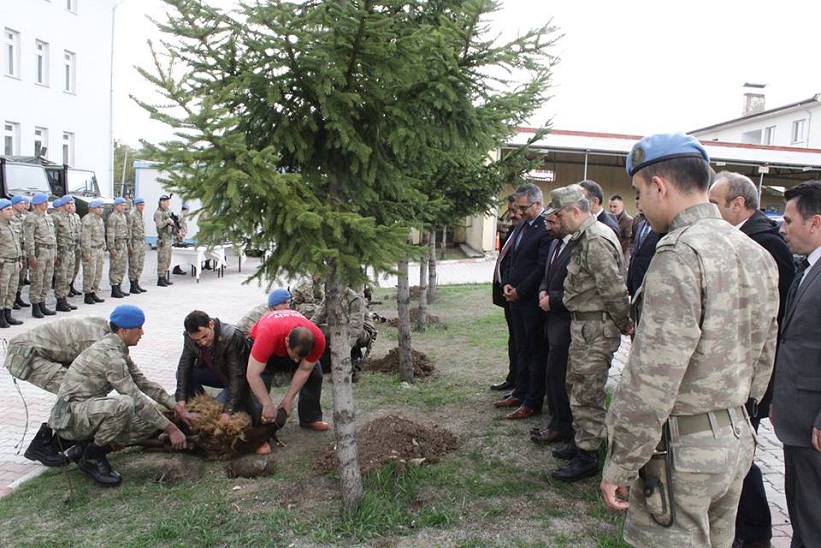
(21, 177)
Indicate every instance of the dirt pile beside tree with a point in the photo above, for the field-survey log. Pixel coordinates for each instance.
(422, 367)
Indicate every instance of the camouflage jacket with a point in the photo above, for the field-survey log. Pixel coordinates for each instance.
(136, 228)
(39, 230)
(354, 310)
(251, 317)
(706, 339)
(595, 274)
(106, 366)
(306, 296)
(164, 223)
(76, 228)
(116, 233)
(63, 339)
(10, 249)
(92, 233)
(63, 230)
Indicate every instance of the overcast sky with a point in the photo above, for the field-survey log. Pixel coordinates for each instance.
(632, 67)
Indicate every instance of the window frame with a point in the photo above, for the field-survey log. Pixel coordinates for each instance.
(69, 71)
(11, 52)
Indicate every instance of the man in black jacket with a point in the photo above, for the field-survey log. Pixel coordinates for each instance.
(214, 354)
(595, 195)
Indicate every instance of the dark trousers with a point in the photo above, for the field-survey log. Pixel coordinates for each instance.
(754, 522)
(511, 348)
(202, 376)
(558, 401)
(308, 408)
(528, 330)
(802, 486)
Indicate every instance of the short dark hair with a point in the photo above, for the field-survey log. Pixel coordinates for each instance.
(808, 198)
(301, 341)
(689, 175)
(616, 197)
(593, 189)
(195, 320)
(114, 327)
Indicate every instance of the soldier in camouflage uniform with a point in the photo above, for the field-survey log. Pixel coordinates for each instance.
(361, 330)
(278, 299)
(705, 343)
(64, 262)
(307, 295)
(40, 246)
(596, 296)
(11, 255)
(165, 233)
(87, 412)
(21, 208)
(92, 242)
(76, 229)
(41, 356)
(117, 240)
(136, 245)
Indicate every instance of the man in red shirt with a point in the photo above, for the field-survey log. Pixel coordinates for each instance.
(283, 338)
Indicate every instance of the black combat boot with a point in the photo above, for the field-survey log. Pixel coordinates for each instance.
(116, 293)
(161, 282)
(584, 464)
(134, 289)
(71, 306)
(94, 464)
(178, 270)
(43, 449)
(45, 310)
(20, 302)
(76, 451)
(168, 279)
(96, 298)
(141, 288)
(11, 319)
(63, 306)
(4, 323)
(35, 311)
(89, 298)
(71, 291)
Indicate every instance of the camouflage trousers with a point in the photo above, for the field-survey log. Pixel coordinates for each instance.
(163, 256)
(63, 272)
(592, 346)
(41, 276)
(118, 264)
(93, 270)
(9, 282)
(78, 260)
(708, 474)
(136, 261)
(109, 419)
(25, 364)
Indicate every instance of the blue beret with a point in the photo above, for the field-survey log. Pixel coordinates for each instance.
(68, 198)
(118, 201)
(186, 206)
(4, 204)
(18, 198)
(95, 204)
(59, 202)
(127, 316)
(39, 198)
(663, 146)
(278, 296)
(139, 200)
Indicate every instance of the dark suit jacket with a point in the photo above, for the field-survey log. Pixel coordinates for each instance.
(558, 319)
(797, 396)
(610, 220)
(504, 256)
(525, 263)
(640, 259)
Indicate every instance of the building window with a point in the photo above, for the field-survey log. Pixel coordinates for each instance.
(769, 136)
(11, 139)
(71, 5)
(11, 53)
(41, 62)
(70, 66)
(798, 131)
(68, 148)
(40, 141)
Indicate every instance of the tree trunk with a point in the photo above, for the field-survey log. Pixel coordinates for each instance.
(403, 302)
(422, 320)
(432, 281)
(347, 454)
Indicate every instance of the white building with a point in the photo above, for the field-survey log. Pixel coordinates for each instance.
(55, 84)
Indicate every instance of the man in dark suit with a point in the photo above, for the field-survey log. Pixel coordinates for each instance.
(625, 221)
(595, 195)
(736, 197)
(796, 408)
(520, 285)
(557, 333)
(514, 218)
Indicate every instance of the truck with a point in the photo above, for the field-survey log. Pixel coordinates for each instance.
(18, 176)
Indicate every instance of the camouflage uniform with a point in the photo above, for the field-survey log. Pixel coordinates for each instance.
(354, 311)
(41, 355)
(596, 296)
(165, 232)
(11, 254)
(19, 219)
(92, 242)
(84, 408)
(704, 345)
(76, 230)
(40, 245)
(306, 296)
(251, 317)
(179, 237)
(117, 243)
(136, 244)
(64, 266)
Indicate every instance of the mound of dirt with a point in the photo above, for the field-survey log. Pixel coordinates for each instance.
(422, 368)
(432, 321)
(393, 438)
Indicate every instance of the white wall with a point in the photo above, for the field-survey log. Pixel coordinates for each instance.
(783, 122)
(85, 113)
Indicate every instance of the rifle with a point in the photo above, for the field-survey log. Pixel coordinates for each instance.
(176, 219)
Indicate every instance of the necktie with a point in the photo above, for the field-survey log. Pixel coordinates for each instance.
(643, 230)
(799, 275)
(556, 251)
(524, 226)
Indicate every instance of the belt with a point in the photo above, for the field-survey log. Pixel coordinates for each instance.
(5, 260)
(95, 246)
(693, 424)
(45, 246)
(598, 315)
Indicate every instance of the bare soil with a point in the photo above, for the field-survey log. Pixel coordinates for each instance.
(422, 366)
(431, 320)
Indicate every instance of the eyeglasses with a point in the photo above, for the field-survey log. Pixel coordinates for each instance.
(523, 208)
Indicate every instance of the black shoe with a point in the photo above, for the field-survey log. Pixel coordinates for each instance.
(42, 449)
(94, 464)
(505, 385)
(63, 306)
(45, 310)
(168, 280)
(566, 451)
(15, 306)
(134, 289)
(73, 292)
(141, 288)
(89, 299)
(179, 271)
(20, 302)
(75, 452)
(96, 298)
(35, 311)
(116, 293)
(161, 282)
(583, 465)
(3, 321)
(11, 319)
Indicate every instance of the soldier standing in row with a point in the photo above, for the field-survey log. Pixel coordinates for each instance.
(136, 245)
(117, 241)
(76, 229)
(165, 233)
(20, 204)
(40, 247)
(11, 255)
(64, 262)
(92, 242)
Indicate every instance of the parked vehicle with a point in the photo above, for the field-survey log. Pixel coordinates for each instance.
(21, 177)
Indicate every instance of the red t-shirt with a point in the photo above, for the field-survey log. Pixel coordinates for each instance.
(270, 332)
